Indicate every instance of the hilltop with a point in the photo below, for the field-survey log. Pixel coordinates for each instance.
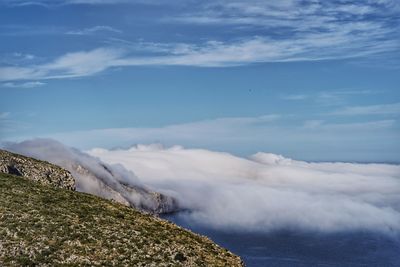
(45, 222)
(45, 225)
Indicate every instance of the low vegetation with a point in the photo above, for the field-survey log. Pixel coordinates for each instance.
(49, 226)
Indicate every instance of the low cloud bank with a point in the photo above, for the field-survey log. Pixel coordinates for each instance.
(264, 192)
(267, 192)
(111, 181)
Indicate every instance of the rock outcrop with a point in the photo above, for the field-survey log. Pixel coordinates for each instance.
(105, 183)
(36, 170)
(91, 175)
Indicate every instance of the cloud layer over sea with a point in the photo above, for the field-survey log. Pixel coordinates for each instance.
(261, 193)
(267, 192)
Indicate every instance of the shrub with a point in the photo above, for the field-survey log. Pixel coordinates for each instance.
(180, 257)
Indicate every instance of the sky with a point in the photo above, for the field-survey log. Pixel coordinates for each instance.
(311, 80)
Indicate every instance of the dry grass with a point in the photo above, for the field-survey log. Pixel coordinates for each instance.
(47, 226)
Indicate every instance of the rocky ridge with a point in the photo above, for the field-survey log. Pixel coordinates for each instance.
(130, 195)
(36, 170)
(72, 169)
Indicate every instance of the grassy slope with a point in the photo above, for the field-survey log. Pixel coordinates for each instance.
(43, 225)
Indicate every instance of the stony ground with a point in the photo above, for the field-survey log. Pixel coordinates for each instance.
(47, 226)
(37, 170)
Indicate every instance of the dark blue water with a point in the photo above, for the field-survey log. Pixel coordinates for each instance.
(295, 249)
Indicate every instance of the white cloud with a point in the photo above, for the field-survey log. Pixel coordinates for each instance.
(24, 56)
(23, 85)
(93, 30)
(299, 15)
(268, 192)
(20, 73)
(70, 65)
(264, 192)
(310, 47)
(308, 31)
(385, 109)
(314, 30)
(49, 3)
(82, 63)
(330, 98)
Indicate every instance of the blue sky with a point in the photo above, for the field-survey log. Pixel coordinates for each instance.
(313, 80)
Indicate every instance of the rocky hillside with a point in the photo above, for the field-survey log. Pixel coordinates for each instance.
(37, 170)
(91, 175)
(41, 225)
(103, 182)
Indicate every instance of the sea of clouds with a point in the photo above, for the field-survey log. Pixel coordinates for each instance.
(264, 192)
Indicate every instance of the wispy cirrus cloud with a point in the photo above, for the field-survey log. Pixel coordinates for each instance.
(24, 56)
(17, 58)
(23, 85)
(296, 15)
(94, 30)
(352, 27)
(310, 47)
(273, 31)
(49, 3)
(330, 98)
(384, 109)
(70, 65)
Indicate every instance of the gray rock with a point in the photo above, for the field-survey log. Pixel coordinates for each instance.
(95, 177)
(36, 170)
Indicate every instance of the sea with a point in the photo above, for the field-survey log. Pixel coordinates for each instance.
(290, 248)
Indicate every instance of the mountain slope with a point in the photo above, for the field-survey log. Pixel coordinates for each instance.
(47, 226)
(94, 176)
